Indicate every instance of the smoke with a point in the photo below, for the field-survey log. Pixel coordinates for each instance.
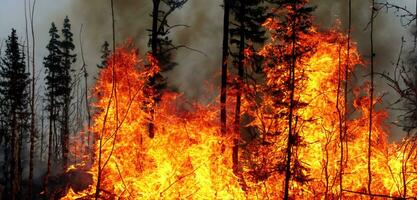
(133, 20)
(387, 43)
(204, 19)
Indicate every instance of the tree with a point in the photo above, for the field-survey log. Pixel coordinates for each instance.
(225, 58)
(292, 21)
(105, 53)
(371, 96)
(65, 87)
(15, 98)
(246, 29)
(161, 50)
(160, 43)
(52, 63)
(33, 97)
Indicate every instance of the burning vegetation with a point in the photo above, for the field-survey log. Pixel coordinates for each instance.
(188, 158)
(288, 122)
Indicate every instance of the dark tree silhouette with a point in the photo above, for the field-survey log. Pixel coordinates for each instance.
(371, 95)
(33, 130)
(161, 50)
(225, 58)
(65, 87)
(246, 29)
(294, 19)
(14, 82)
(52, 64)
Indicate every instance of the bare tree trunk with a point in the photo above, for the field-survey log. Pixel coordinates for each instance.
(42, 134)
(371, 100)
(415, 33)
(28, 66)
(239, 88)
(225, 58)
(50, 140)
(27, 36)
(65, 135)
(339, 112)
(154, 42)
(15, 157)
(87, 104)
(291, 110)
(55, 139)
(343, 132)
(99, 171)
(32, 106)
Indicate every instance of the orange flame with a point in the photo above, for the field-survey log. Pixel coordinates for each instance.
(189, 159)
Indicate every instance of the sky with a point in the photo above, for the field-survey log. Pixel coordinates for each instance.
(12, 15)
(205, 33)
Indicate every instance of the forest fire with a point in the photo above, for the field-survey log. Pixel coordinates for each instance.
(189, 159)
(283, 114)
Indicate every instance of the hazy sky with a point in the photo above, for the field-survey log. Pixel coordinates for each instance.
(205, 19)
(12, 16)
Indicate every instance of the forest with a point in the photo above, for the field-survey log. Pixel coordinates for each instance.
(292, 108)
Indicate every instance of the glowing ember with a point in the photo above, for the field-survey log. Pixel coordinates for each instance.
(188, 159)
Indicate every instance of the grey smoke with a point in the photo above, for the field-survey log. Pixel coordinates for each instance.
(205, 34)
(205, 21)
(132, 21)
(387, 42)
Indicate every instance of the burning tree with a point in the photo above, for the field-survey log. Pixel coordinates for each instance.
(161, 50)
(245, 32)
(290, 147)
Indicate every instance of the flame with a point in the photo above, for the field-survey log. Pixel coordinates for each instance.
(189, 159)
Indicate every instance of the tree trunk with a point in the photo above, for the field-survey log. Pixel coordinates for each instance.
(99, 167)
(15, 159)
(371, 94)
(154, 41)
(42, 135)
(32, 107)
(50, 142)
(239, 87)
(345, 114)
(65, 135)
(6, 167)
(225, 57)
(291, 110)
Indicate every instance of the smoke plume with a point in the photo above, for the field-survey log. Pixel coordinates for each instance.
(204, 19)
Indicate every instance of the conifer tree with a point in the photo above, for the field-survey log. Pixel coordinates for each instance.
(293, 20)
(65, 87)
(246, 30)
(161, 50)
(14, 82)
(52, 63)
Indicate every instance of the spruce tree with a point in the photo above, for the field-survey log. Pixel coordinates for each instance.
(161, 50)
(64, 77)
(159, 41)
(294, 19)
(245, 31)
(14, 82)
(52, 63)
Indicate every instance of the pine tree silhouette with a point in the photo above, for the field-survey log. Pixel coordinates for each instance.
(14, 82)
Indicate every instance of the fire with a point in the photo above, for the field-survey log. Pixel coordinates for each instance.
(189, 159)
